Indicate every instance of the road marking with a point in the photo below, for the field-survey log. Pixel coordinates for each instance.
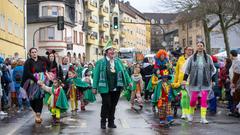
(19, 125)
(124, 123)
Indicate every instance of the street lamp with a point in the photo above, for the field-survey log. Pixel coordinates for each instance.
(37, 31)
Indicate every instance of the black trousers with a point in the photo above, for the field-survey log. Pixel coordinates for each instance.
(37, 105)
(109, 103)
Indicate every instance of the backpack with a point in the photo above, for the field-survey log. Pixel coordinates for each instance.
(18, 76)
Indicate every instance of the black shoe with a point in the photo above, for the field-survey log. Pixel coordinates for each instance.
(103, 126)
(103, 123)
(112, 126)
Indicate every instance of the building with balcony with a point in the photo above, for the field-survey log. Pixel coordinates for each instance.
(133, 28)
(42, 27)
(93, 40)
(12, 35)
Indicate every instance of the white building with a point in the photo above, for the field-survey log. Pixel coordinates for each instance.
(44, 13)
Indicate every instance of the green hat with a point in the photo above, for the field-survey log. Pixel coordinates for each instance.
(108, 45)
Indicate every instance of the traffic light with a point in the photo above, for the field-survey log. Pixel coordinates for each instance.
(115, 23)
(60, 23)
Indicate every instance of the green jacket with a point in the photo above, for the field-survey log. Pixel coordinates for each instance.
(100, 75)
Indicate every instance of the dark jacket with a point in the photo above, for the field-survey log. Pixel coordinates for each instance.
(147, 72)
(31, 67)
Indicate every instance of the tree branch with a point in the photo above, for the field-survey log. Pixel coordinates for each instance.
(230, 20)
(234, 23)
(213, 25)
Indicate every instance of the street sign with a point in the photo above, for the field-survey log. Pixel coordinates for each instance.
(69, 46)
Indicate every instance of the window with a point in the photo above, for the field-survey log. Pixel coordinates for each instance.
(184, 42)
(190, 25)
(75, 37)
(16, 29)
(42, 34)
(183, 27)
(190, 41)
(44, 11)
(197, 23)
(76, 16)
(9, 25)
(50, 33)
(61, 11)
(81, 38)
(80, 17)
(54, 11)
(199, 38)
(2, 21)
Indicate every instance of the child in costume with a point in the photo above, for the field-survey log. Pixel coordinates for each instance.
(57, 100)
(162, 98)
(88, 95)
(137, 88)
(153, 83)
(162, 61)
(75, 86)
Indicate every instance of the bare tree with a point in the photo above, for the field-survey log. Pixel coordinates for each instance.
(228, 12)
(227, 15)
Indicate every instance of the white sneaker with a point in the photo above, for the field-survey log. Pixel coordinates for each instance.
(204, 121)
(184, 116)
(3, 113)
(190, 118)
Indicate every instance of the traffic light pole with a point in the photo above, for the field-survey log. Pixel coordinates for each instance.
(38, 30)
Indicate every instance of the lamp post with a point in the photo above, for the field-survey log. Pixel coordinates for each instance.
(37, 31)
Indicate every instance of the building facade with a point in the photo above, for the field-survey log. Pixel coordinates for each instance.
(12, 28)
(148, 34)
(163, 30)
(42, 27)
(133, 28)
(190, 33)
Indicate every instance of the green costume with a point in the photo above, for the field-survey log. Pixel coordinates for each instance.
(100, 80)
(88, 94)
(79, 70)
(61, 103)
(77, 82)
(158, 93)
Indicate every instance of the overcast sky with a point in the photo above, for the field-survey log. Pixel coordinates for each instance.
(147, 5)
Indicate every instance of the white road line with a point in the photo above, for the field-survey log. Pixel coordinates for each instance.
(124, 123)
(19, 125)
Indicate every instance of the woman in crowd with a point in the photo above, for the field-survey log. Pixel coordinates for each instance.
(200, 69)
(34, 70)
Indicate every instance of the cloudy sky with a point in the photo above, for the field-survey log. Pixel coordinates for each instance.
(146, 5)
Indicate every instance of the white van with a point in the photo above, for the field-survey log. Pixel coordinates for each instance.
(150, 57)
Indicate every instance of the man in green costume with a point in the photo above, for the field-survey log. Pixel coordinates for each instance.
(109, 78)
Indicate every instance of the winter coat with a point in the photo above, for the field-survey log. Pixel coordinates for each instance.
(200, 79)
(179, 74)
(100, 75)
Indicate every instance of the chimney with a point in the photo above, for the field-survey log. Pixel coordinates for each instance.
(127, 3)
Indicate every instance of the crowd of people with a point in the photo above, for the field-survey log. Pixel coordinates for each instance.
(189, 81)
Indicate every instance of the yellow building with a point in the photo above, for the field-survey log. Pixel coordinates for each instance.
(148, 34)
(133, 27)
(12, 28)
(98, 16)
